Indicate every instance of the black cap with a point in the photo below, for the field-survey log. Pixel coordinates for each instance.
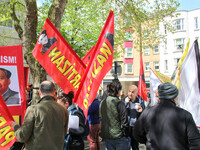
(7, 72)
(167, 91)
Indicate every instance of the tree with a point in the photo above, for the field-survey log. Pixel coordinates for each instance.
(28, 33)
(142, 18)
(82, 22)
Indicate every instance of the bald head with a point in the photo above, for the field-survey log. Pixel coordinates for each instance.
(132, 92)
(47, 88)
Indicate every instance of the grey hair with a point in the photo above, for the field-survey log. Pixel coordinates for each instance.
(47, 87)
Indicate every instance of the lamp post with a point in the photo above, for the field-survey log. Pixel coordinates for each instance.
(116, 69)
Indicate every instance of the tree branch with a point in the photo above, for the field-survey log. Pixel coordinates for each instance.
(16, 21)
(56, 12)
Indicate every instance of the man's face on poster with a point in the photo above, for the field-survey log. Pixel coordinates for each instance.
(4, 82)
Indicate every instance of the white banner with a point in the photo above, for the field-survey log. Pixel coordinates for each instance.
(154, 83)
(189, 95)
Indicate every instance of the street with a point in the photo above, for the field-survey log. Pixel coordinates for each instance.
(141, 146)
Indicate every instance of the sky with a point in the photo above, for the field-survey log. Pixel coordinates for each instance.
(184, 4)
(189, 4)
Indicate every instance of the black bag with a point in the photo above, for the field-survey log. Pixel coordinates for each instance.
(17, 146)
(87, 128)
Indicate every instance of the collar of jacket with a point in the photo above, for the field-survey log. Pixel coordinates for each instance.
(48, 97)
(164, 101)
(71, 107)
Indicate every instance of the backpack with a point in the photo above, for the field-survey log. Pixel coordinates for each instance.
(87, 128)
(68, 139)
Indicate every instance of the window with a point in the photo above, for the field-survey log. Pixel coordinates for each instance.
(165, 28)
(176, 60)
(146, 50)
(147, 66)
(146, 33)
(196, 22)
(179, 44)
(155, 32)
(128, 68)
(128, 20)
(179, 24)
(129, 52)
(156, 66)
(165, 46)
(128, 36)
(155, 49)
(147, 84)
(166, 65)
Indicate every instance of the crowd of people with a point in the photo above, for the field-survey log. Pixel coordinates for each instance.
(56, 123)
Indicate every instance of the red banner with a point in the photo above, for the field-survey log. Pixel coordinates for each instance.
(26, 75)
(142, 91)
(7, 138)
(12, 89)
(100, 63)
(86, 59)
(59, 60)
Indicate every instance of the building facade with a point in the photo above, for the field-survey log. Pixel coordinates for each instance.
(162, 57)
(186, 27)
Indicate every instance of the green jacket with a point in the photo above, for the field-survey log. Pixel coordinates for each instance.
(44, 126)
(110, 120)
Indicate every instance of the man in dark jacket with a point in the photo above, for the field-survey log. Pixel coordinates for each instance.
(134, 106)
(166, 126)
(45, 123)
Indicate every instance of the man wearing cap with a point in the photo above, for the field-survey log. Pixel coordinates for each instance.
(166, 126)
(10, 96)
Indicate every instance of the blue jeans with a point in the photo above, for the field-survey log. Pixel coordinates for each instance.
(117, 144)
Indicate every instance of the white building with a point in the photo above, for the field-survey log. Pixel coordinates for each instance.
(187, 26)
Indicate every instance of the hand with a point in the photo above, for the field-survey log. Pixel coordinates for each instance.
(14, 123)
(127, 99)
(140, 109)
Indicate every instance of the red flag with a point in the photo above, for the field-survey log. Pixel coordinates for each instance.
(12, 60)
(87, 57)
(26, 69)
(142, 91)
(7, 138)
(58, 58)
(99, 65)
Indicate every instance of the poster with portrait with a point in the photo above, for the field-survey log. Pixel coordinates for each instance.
(12, 86)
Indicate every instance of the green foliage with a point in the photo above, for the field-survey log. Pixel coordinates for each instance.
(43, 14)
(82, 22)
(6, 20)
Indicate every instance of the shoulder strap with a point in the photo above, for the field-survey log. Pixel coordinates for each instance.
(96, 100)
